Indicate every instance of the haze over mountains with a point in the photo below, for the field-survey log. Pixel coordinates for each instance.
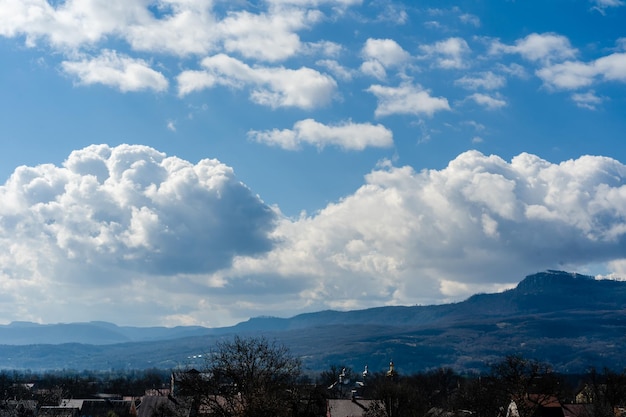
(569, 320)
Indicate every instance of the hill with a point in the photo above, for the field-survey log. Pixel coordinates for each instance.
(569, 320)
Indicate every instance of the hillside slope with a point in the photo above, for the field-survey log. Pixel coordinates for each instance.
(571, 321)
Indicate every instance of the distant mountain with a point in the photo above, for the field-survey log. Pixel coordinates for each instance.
(95, 333)
(569, 320)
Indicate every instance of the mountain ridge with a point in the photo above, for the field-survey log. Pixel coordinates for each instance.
(570, 320)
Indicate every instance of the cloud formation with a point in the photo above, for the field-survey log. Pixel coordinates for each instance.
(134, 208)
(158, 238)
(380, 54)
(406, 99)
(487, 101)
(271, 86)
(409, 237)
(571, 75)
(118, 71)
(188, 241)
(545, 47)
(449, 53)
(349, 135)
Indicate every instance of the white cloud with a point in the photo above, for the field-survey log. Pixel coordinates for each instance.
(112, 218)
(470, 19)
(118, 71)
(485, 80)
(374, 69)
(392, 12)
(449, 53)
(74, 24)
(545, 47)
(120, 202)
(571, 75)
(485, 100)
(335, 68)
(409, 237)
(406, 99)
(380, 54)
(607, 3)
(325, 48)
(68, 25)
(179, 27)
(348, 135)
(385, 51)
(186, 28)
(601, 5)
(271, 86)
(315, 3)
(131, 232)
(269, 37)
(514, 70)
(588, 100)
(82, 28)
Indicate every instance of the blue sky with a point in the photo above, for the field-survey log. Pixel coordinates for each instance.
(202, 162)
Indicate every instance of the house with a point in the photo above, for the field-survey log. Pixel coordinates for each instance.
(535, 405)
(578, 410)
(56, 411)
(163, 406)
(440, 412)
(18, 408)
(90, 408)
(103, 408)
(347, 407)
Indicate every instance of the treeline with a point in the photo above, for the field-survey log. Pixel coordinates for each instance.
(255, 377)
(532, 385)
(48, 388)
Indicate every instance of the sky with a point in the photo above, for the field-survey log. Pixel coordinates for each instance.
(201, 162)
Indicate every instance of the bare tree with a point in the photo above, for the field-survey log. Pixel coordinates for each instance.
(247, 377)
(607, 391)
(528, 383)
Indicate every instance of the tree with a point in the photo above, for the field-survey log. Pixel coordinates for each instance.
(530, 384)
(606, 391)
(247, 377)
(338, 380)
(399, 396)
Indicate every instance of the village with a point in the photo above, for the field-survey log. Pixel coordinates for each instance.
(255, 378)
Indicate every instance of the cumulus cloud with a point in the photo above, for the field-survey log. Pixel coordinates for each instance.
(170, 26)
(380, 54)
(485, 80)
(125, 218)
(571, 75)
(470, 19)
(184, 28)
(487, 101)
(406, 99)
(130, 229)
(588, 100)
(267, 36)
(136, 208)
(87, 34)
(335, 68)
(546, 47)
(348, 135)
(448, 54)
(118, 71)
(409, 237)
(601, 5)
(315, 3)
(271, 86)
